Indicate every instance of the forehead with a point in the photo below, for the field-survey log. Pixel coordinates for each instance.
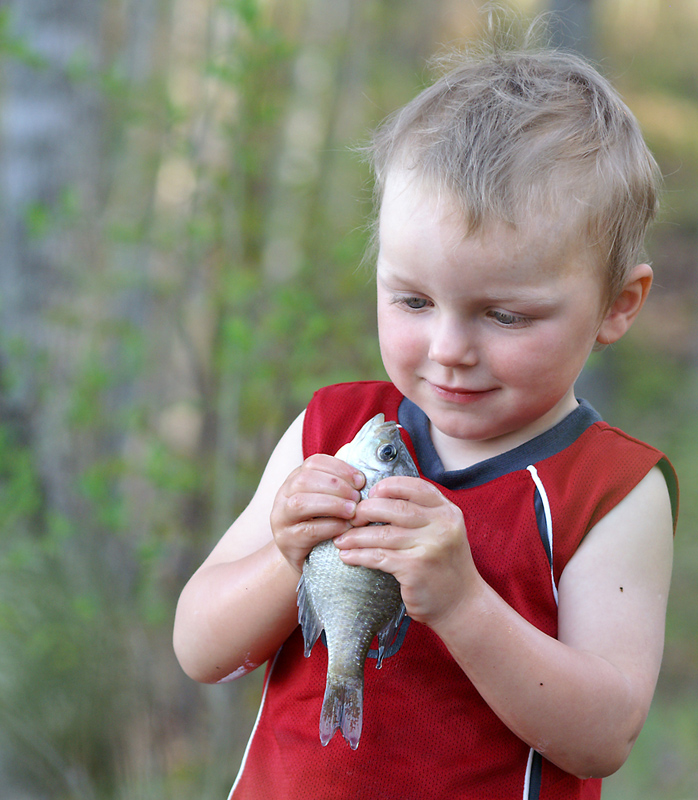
(415, 210)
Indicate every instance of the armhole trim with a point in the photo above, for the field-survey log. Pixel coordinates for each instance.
(544, 519)
(534, 775)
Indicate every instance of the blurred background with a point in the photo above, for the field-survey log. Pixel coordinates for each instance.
(182, 224)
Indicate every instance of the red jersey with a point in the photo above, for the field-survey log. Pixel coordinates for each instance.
(427, 733)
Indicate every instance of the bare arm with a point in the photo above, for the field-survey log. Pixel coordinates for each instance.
(240, 605)
(580, 700)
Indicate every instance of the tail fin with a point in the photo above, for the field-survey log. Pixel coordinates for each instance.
(342, 708)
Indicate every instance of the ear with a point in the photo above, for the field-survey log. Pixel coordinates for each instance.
(626, 306)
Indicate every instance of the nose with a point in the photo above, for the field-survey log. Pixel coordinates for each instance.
(453, 343)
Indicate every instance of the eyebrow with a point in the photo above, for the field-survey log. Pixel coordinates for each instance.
(538, 298)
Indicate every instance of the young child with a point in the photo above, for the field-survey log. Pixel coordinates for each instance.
(534, 552)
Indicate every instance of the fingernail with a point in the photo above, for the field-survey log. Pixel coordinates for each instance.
(350, 508)
(359, 479)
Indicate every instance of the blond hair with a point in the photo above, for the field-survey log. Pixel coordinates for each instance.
(511, 134)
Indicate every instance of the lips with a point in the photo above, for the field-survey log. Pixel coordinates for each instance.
(459, 394)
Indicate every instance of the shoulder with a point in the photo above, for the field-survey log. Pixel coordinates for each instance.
(632, 455)
(335, 413)
(600, 439)
(586, 480)
(600, 468)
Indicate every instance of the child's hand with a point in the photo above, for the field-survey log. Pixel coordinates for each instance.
(315, 503)
(423, 543)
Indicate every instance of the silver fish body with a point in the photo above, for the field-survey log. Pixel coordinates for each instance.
(353, 604)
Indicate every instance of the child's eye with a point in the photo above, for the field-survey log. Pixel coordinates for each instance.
(415, 303)
(507, 319)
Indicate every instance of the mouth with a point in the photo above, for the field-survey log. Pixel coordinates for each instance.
(457, 394)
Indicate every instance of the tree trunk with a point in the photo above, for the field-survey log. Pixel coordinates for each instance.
(49, 178)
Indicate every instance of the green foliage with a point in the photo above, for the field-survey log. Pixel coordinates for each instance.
(17, 47)
(61, 657)
(42, 219)
(20, 492)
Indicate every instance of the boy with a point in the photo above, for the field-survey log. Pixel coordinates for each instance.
(534, 552)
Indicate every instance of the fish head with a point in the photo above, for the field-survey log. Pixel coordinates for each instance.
(378, 451)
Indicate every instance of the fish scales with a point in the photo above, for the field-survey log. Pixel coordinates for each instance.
(353, 604)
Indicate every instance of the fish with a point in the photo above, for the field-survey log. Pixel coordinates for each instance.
(353, 604)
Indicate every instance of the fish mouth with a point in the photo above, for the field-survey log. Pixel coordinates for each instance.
(383, 425)
(388, 430)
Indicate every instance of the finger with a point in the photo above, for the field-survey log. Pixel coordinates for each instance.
(326, 474)
(384, 559)
(390, 511)
(312, 532)
(295, 542)
(304, 506)
(369, 537)
(337, 467)
(408, 488)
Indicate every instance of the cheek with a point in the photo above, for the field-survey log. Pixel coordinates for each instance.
(386, 338)
(538, 360)
(393, 327)
(400, 344)
(395, 348)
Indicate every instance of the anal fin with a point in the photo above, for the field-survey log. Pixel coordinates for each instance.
(388, 632)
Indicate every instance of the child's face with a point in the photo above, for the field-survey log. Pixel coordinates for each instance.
(487, 333)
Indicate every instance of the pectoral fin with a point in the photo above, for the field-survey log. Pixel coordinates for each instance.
(308, 619)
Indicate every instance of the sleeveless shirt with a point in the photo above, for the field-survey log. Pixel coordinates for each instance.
(427, 733)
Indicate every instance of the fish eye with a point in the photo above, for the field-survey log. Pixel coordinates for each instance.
(387, 452)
